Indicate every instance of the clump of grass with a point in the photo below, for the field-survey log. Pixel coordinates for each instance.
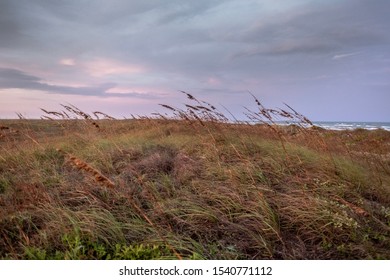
(81, 165)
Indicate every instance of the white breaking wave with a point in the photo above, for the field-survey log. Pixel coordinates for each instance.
(353, 125)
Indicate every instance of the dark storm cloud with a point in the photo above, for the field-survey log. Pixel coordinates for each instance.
(11, 78)
(194, 38)
(318, 29)
(136, 31)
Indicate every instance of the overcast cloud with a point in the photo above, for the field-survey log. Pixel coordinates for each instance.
(328, 59)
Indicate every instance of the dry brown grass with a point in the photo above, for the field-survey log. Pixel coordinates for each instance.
(194, 184)
(82, 165)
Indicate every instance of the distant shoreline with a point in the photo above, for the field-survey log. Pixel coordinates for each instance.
(328, 125)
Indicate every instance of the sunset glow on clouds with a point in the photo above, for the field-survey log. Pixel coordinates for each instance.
(104, 67)
(327, 59)
(67, 62)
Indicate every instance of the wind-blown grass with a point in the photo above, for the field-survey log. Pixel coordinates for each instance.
(192, 184)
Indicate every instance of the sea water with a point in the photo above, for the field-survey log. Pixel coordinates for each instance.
(353, 125)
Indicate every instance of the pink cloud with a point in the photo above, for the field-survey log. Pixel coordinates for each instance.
(101, 67)
(67, 62)
(213, 81)
(121, 89)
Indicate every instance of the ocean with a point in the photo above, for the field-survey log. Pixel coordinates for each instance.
(353, 125)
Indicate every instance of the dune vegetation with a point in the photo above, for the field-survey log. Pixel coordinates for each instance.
(192, 184)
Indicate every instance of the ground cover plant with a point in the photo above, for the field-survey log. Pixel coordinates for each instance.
(192, 183)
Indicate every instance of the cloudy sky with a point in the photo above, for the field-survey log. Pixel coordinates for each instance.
(329, 59)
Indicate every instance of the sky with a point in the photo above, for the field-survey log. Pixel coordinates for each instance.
(328, 59)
